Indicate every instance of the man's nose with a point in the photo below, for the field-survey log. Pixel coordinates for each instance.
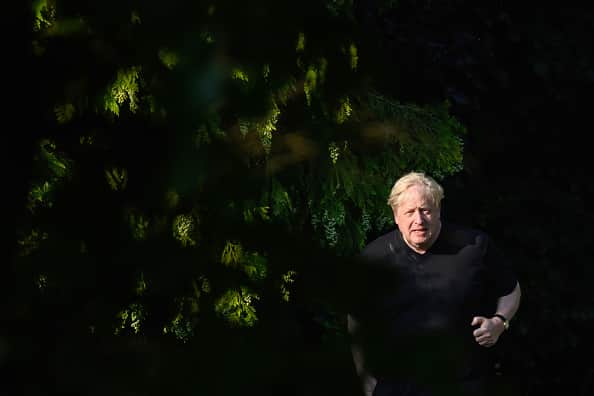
(418, 217)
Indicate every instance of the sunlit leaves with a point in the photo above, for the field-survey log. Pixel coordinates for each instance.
(131, 318)
(315, 76)
(44, 14)
(117, 178)
(180, 327)
(334, 152)
(254, 265)
(235, 306)
(64, 112)
(31, 242)
(241, 75)
(300, 47)
(39, 194)
(309, 85)
(344, 110)
(353, 56)
(124, 88)
(232, 253)
(268, 125)
(336, 149)
(185, 229)
(286, 280)
(41, 281)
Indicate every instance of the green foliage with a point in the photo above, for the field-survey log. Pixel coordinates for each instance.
(354, 56)
(41, 281)
(268, 125)
(180, 327)
(64, 113)
(117, 178)
(300, 42)
(43, 14)
(139, 225)
(57, 168)
(232, 254)
(155, 118)
(286, 280)
(168, 57)
(31, 242)
(287, 131)
(238, 74)
(141, 285)
(344, 110)
(280, 201)
(429, 138)
(254, 265)
(310, 83)
(131, 318)
(125, 87)
(185, 229)
(252, 213)
(235, 305)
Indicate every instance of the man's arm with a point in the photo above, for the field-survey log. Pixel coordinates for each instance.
(508, 305)
(490, 329)
(367, 379)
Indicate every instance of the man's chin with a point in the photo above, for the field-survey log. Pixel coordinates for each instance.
(420, 243)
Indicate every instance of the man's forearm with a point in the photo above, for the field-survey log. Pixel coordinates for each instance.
(508, 305)
(368, 381)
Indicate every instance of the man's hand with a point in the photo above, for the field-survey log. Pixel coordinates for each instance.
(369, 384)
(488, 331)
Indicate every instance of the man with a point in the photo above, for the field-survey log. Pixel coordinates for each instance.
(435, 298)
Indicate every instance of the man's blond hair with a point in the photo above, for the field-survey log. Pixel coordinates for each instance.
(433, 189)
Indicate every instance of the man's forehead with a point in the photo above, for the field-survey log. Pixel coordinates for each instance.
(415, 199)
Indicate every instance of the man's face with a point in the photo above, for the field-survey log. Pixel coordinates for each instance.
(417, 219)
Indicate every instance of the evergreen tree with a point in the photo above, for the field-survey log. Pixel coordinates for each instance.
(199, 160)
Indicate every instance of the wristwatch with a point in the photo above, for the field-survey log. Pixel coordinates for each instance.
(504, 319)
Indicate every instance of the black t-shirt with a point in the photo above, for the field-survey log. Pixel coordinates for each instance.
(414, 310)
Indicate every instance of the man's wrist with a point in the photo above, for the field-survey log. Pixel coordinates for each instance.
(503, 319)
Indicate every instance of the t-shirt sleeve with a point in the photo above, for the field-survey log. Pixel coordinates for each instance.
(499, 269)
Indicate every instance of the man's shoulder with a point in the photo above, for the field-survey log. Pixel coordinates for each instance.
(463, 234)
(381, 246)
